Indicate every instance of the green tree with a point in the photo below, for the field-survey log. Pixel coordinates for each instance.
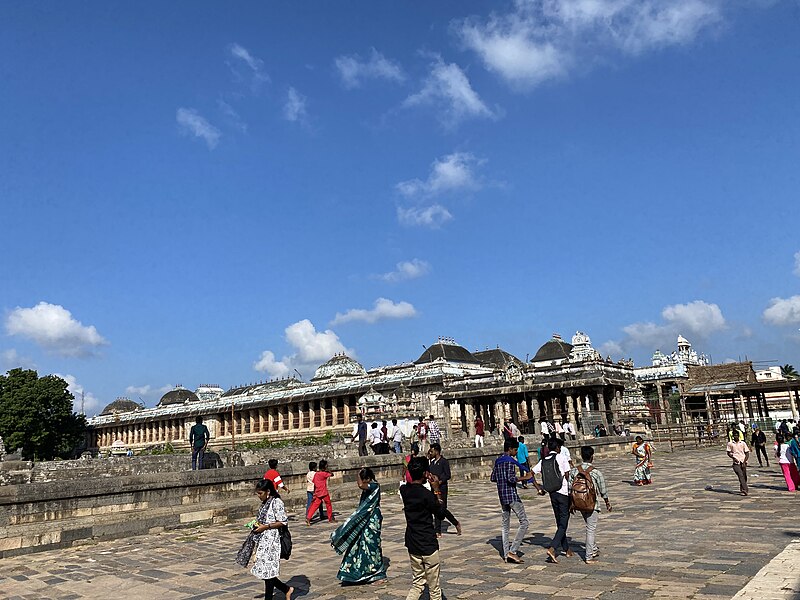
(36, 415)
(789, 372)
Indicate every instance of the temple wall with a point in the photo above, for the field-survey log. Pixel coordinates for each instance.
(96, 505)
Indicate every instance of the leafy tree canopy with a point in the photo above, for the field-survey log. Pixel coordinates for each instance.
(36, 415)
(789, 372)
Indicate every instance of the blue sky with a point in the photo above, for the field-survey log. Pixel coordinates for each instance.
(194, 193)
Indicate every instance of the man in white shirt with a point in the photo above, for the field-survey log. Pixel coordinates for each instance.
(375, 438)
(739, 453)
(559, 497)
(515, 432)
(396, 437)
(545, 427)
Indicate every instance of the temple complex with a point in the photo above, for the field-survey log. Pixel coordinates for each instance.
(562, 382)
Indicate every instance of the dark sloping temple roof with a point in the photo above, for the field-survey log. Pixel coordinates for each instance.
(178, 396)
(449, 351)
(554, 349)
(497, 358)
(705, 378)
(121, 405)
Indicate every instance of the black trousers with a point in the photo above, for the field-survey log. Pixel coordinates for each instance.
(271, 584)
(759, 451)
(362, 447)
(437, 522)
(560, 504)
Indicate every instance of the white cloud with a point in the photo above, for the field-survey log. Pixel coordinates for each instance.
(11, 359)
(408, 269)
(797, 264)
(453, 172)
(611, 348)
(697, 318)
(433, 216)
(447, 88)
(192, 123)
(311, 348)
(541, 40)
(383, 309)
(253, 63)
(783, 311)
(295, 107)
(53, 328)
(353, 69)
(91, 404)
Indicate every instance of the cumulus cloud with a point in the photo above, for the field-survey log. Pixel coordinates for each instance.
(450, 173)
(408, 269)
(542, 40)
(91, 404)
(433, 216)
(383, 309)
(190, 122)
(53, 327)
(698, 318)
(448, 90)
(310, 349)
(353, 70)
(294, 109)
(254, 66)
(11, 359)
(783, 311)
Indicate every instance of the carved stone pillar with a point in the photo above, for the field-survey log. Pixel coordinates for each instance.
(469, 411)
(601, 407)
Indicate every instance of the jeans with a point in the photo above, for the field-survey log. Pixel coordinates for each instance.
(198, 454)
(590, 518)
(518, 509)
(424, 569)
(759, 451)
(478, 441)
(560, 504)
(741, 473)
(398, 448)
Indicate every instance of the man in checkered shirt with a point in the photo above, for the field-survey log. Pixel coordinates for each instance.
(434, 433)
(504, 475)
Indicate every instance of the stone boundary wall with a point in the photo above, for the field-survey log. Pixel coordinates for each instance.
(56, 514)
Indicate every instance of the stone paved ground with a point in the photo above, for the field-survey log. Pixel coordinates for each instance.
(689, 535)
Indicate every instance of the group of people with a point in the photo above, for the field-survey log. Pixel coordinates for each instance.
(384, 437)
(786, 449)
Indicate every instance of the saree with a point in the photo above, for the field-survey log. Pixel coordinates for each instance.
(358, 539)
(642, 471)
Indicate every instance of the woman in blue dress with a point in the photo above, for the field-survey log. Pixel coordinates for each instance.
(358, 539)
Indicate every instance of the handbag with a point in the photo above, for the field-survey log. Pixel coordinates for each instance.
(246, 551)
(286, 542)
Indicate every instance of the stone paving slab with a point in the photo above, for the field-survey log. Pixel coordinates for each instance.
(689, 535)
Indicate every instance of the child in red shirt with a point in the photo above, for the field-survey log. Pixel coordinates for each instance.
(321, 493)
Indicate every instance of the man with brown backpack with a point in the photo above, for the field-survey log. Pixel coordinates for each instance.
(587, 486)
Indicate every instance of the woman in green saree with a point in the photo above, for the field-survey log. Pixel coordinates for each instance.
(358, 539)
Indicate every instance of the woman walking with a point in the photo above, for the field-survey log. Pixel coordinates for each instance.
(358, 539)
(784, 456)
(271, 517)
(641, 450)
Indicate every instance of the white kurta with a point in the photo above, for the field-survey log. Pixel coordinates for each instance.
(268, 554)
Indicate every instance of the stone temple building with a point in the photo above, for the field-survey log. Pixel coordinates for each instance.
(563, 381)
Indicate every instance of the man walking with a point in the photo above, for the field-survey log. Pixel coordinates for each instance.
(759, 441)
(523, 458)
(420, 506)
(479, 431)
(273, 475)
(555, 469)
(739, 453)
(361, 434)
(441, 468)
(590, 482)
(434, 433)
(198, 439)
(504, 474)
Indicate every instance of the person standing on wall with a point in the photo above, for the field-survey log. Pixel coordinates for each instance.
(397, 438)
(198, 439)
(422, 433)
(360, 433)
(479, 431)
(434, 433)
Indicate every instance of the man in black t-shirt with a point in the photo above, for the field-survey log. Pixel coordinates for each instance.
(361, 435)
(420, 505)
(759, 441)
(198, 438)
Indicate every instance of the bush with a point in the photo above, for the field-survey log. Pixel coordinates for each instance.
(310, 440)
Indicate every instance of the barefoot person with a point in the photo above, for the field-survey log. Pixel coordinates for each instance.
(271, 517)
(504, 474)
(555, 469)
(641, 451)
(358, 539)
(588, 484)
(739, 453)
(420, 506)
(321, 493)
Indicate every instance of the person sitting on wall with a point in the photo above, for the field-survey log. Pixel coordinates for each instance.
(198, 439)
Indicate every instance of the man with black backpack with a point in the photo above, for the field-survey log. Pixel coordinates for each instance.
(587, 487)
(554, 469)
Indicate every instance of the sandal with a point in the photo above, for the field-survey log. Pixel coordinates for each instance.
(513, 558)
(551, 555)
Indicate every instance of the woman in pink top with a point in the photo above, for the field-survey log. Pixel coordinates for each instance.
(790, 473)
(321, 493)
